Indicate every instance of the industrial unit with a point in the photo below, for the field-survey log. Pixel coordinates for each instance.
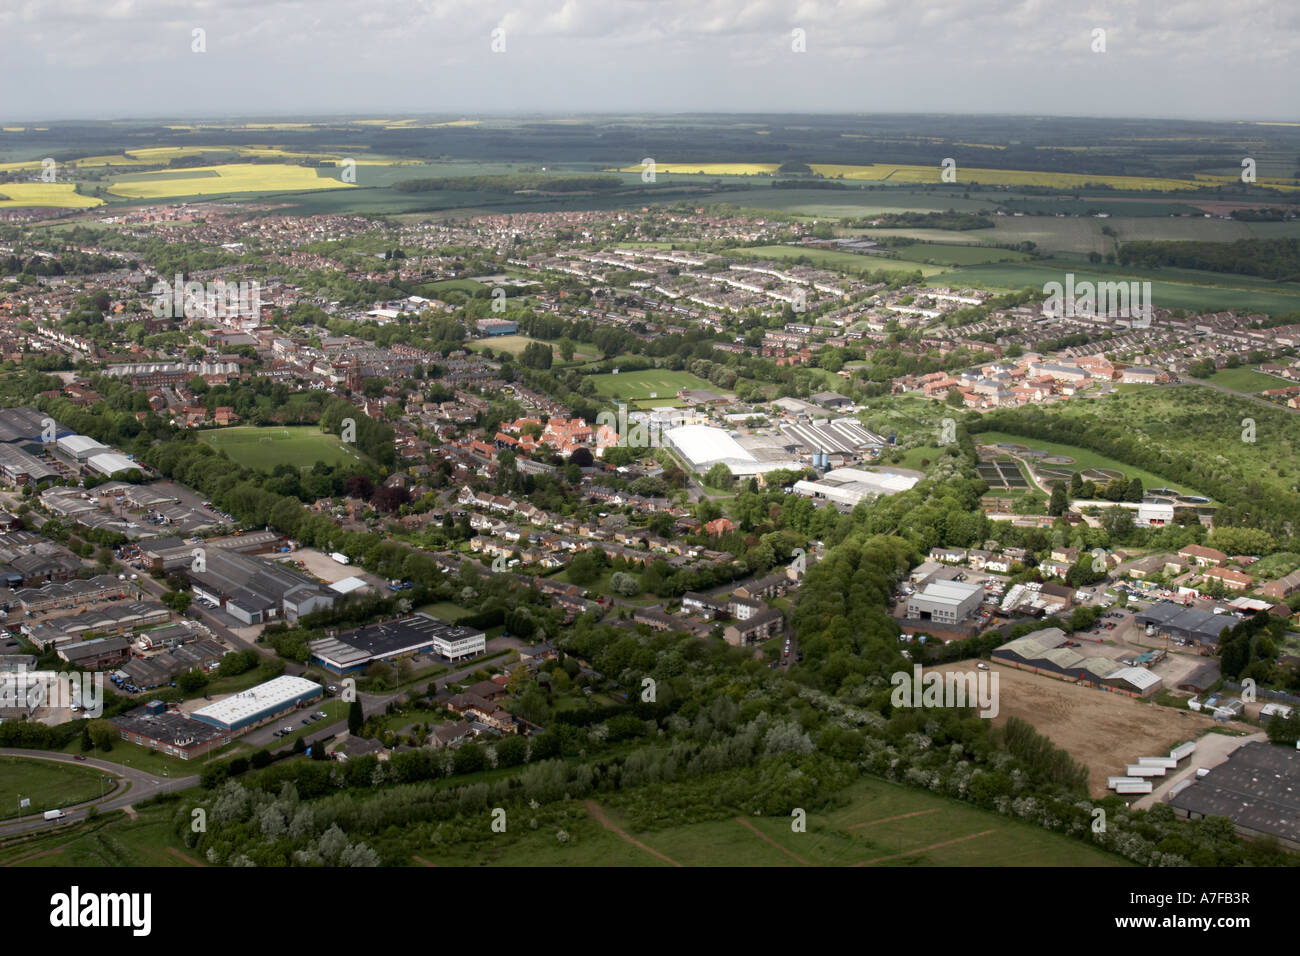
(946, 602)
(389, 640)
(251, 707)
(1184, 623)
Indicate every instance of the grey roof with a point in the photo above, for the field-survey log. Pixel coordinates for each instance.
(1257, 788)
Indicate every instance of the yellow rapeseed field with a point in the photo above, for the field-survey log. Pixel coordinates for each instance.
(61, 195)
(235, 178)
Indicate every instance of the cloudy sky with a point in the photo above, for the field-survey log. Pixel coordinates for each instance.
(97, 59)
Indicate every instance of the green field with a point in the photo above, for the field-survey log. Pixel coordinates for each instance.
(647, 388)
(904, 827)
(113, 840)
(515, 344)
(1083, 458)
(1170, 288)
(49, 785)
(264, 448)
(837, 261)
(1246, 380)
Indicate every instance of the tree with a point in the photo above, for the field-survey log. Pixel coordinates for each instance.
(192, 681)
(102, 733)
(356, 718)
(1060, 500)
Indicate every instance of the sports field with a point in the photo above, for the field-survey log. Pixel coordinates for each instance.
(882, 824)
(264, 448)
(647, 388)
(515, 344)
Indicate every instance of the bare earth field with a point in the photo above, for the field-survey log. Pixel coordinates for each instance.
(1104, 731)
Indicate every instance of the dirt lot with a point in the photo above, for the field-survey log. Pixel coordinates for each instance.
(1104, 731)
(322, 566)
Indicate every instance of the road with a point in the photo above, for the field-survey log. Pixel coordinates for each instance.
(140, 786)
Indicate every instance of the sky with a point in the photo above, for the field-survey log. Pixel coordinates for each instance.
(117, 59)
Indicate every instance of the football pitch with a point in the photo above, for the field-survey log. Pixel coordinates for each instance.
(265, 448)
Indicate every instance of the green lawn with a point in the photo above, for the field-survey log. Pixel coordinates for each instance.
(837, 261)
(444, 611)
(651, 386)
(265, 448)
(49, 785)
(1246, 380)
(515, 344)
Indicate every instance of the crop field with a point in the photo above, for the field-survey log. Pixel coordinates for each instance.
(48, 784)
(880, 824)
(933, 253)
(58, 195)
(264, 448)
(649, 387)
(222, 180)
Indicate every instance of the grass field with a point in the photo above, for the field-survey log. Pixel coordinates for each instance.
(514, 344)
(1083, 458)
(444, 611)
(264, 448)
(649, 387)
(1246, 380)
(839, 261)
(882, 824)
(113, 840)
(49, 785)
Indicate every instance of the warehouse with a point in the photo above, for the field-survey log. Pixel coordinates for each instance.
(843, 436)
(850, 486)
(251, 707)
(110, 463)
(945, 602)
(1044, 652)
(26, 425)
(79, 447)
(254, 590)
(390, 640)
(20, 468)
(1184, 623)
(703, 446)
(1257, 788)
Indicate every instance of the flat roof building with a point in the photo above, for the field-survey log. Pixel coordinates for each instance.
(388, 640)
(1257, 788)
(945, 602)
(1186, 623)
(253, 706)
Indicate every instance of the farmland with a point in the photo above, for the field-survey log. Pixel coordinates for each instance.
(265, 448)
(55, 195)
(222, 180)
(647, 388)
